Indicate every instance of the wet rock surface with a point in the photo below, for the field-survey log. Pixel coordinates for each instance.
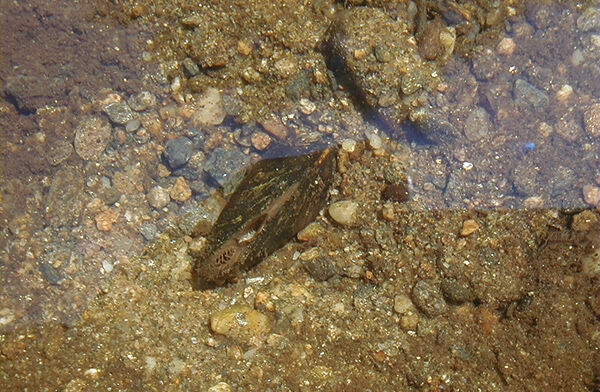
(81, 293)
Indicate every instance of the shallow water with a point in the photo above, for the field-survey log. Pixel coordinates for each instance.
(118, 123)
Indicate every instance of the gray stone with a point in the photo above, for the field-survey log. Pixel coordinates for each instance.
(190, 67)
(118, 112)
(50, 274)
(148, 230)
(526, 94)
(428, 299)
(178, 151)
(225, 166)
(477, 124)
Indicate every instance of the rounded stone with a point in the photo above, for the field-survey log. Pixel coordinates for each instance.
(210, 110)
(158, 197)
(178, 151)
(91, 138)
(428, 299)
(343, 212)
(239, 322)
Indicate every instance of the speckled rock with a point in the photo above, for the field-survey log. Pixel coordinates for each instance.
(158, 197)
(142, 101)
(181, 190)
(429, 299)
(91, 137)
(239, 322)
(118, 112)
(343, 212)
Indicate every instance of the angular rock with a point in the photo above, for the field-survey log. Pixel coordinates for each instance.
(118, 112)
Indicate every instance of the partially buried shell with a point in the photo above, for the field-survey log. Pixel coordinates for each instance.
(277, 198)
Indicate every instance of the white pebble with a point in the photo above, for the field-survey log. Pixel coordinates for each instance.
(220, 387)
(306, 106)
(564, 93)
(349, 145)
(374, 141)
(107, 266)
(343, 212)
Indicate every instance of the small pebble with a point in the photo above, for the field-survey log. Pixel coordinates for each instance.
(565, 92)
(527, 94)
(190, 67)
(118, 112)
(209, 109)
(260, 140)
(239, 322)
(375, 142)
(158, 197)
(50, 274)
(178, 151)
(477, 124)
(132, 125)
(142, 101)
(181, 190)
(506, 46)
(387, 212)
(469, 227)
(403, 304)
(221, 387)
(429, 299)
(275, 128)
(591, 194)
(320, 268)
(349, 145)
(307, 106)
(106, 219)
(244, 47)
(312, 232)
(92, 137)
(343, 212)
